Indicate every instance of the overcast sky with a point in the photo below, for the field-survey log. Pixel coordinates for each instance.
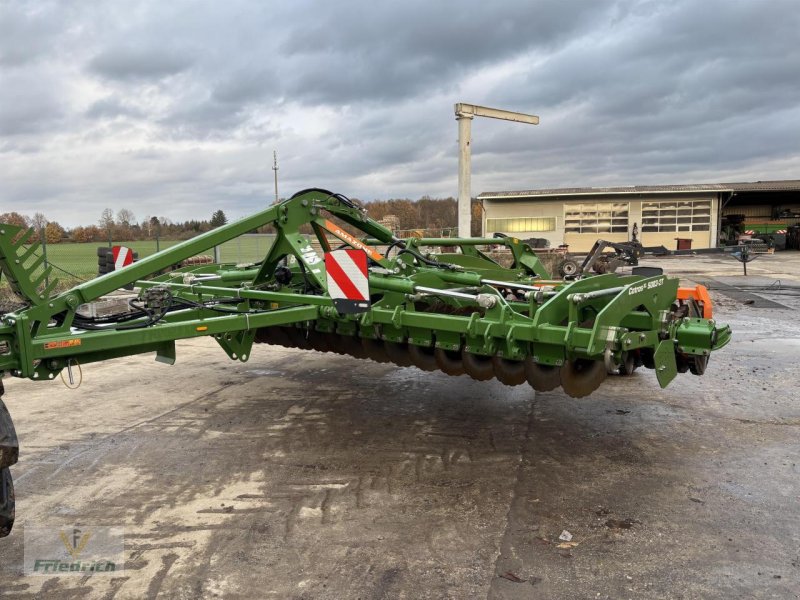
(174, 108)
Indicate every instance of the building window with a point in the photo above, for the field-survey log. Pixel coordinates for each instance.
(597, 217)
(672, 216)
(521, 225)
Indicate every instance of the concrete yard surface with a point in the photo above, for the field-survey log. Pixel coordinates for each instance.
(308, 475)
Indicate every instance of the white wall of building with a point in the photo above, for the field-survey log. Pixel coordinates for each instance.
(558, 207)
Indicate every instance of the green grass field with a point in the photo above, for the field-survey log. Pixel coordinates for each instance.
(73, 263)
(81, 259)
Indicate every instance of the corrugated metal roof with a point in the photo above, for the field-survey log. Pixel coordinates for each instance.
(782, 185)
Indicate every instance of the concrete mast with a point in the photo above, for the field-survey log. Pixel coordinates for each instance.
(464, 115)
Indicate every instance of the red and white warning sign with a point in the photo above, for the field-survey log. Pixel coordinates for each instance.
(123, 256)
(348, 280)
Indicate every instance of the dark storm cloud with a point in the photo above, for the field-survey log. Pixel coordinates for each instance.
(404, 49)
(175, 107)
(677, 90)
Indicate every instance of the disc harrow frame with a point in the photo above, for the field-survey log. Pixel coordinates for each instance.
(454, 310)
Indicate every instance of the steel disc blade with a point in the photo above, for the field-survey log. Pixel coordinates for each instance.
(449, 361)
(263, 335)
(318, 341)
(398, 354)
(509, 372)
(477, 367)
(542, 378)
(335, 343)
(422, 358)
(279, 337)
(352, 346)
(628, 365)
(299, 337)
(698, 364)
(580, 377)
(374, 350)
(289, 336)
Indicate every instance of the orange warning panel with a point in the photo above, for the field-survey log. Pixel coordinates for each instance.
(700, 294)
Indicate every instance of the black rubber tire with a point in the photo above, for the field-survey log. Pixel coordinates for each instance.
(423, 358)
(103, 250)
(509, 372)
(7, 502)
(542, 378)
(478, 367)
(581, 377)
(567, 267)
(449, 361)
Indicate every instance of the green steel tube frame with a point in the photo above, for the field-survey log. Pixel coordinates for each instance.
(42, 341)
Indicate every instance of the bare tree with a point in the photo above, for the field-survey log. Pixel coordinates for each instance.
(125, 217)
(107, 219)
(106, 223)
(38, 222)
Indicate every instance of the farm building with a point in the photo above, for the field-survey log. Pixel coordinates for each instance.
(663, 214)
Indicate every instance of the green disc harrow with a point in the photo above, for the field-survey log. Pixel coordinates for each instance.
(437, 304)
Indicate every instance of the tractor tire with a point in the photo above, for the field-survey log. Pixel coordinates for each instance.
(9, 453)
(600, 267)
(7, 503)
(567, 268)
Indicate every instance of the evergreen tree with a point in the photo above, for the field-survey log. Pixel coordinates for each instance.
(218, 219)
